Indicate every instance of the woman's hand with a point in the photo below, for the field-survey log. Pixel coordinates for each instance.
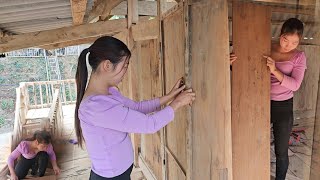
(233, 58)
(14, 177)
(185, 98)
(56, 170)
(271, 64)
(177, 88)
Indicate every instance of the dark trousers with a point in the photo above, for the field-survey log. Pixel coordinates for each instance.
(282, 119)
(124, 176)
(38, 165)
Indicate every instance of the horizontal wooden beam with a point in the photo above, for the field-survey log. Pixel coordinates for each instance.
(69, 43)
(309, 12)
(90, 40)
(60, 35)
(145, 8)
(288, 2)
(78, 9)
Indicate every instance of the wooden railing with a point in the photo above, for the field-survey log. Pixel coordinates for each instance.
(39, 94)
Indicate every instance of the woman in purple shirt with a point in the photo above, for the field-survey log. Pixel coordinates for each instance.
(35, 153)
(104, 118)
(287, 66)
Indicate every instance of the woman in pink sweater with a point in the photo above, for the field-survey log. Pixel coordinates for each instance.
(287, 66)
(35, 153)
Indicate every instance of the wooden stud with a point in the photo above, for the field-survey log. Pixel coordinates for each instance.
(41, 99)
(315, 165)
(78, 10)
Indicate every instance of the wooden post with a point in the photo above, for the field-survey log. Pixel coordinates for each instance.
(251, 92)
(315, 161)
(210, 76)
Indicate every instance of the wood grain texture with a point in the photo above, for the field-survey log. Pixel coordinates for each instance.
(251, 92)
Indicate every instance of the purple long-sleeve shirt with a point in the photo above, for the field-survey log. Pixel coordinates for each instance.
(24, 149)
(107, 120)
(293, 71)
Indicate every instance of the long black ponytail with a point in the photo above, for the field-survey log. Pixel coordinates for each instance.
(104, 48)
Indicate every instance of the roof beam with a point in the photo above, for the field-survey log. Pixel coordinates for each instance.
(90, 40)
(309, 12)
(62, 35)
(102, 8)
(144, 30)
(288, 2)
(78, 9)
(145, 8)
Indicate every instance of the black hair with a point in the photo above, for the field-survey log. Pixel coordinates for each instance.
(43, 137)
(292, 26)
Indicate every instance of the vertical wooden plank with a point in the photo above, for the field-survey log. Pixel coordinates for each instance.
(251, 92)
(34, 94)
(315, 161)
(47, 94)
(64, 92)
(174, 68)
(151, 143)
(188, 84)
(70, 92)
(136, 93)
(41, 98)
(210, 75)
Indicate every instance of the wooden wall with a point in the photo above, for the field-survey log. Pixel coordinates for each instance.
(251, 92)
(210, 77)
(305, 104)
(174, 63)
(218, 149)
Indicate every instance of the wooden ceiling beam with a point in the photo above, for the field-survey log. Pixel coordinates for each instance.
(78, 9)
(62, 35)
(288, 2)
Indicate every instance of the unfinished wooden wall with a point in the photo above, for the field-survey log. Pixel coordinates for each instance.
(251, 92)
(210, 77)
